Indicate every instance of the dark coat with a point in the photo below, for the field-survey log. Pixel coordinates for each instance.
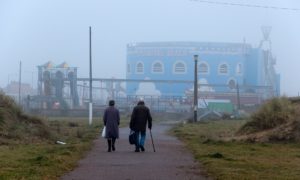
(139, 118)
(111, 120)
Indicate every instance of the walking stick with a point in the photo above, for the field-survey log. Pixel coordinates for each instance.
(152, 141)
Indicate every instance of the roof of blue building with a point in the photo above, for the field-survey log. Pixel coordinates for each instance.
(186, 47)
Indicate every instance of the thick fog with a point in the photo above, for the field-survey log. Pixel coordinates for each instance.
(36, 31)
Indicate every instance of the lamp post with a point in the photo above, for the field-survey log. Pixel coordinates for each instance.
(91, 81)
(195, 88)
(238, 99)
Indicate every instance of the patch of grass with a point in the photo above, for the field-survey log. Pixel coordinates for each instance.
(124, 122)
(43, 161)
(238, 160)
(28, 148)
(47, 160)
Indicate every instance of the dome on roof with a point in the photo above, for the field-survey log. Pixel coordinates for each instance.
(47, 65)
(63, 65)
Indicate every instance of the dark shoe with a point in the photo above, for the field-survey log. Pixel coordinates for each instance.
(142, 148)
(113, 144)
(137, 150)
(109, 145)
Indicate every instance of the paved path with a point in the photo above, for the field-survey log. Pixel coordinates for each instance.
(170, 161)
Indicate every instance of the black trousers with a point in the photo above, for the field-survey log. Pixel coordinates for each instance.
(111, 143)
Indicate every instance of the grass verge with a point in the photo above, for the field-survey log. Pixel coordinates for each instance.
(238, 160)
(46, 160)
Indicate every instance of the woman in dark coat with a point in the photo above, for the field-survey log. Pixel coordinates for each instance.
(111, 120)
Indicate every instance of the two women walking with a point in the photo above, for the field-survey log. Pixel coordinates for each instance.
(140, 117)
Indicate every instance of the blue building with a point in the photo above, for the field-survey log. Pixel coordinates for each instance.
(222, 68)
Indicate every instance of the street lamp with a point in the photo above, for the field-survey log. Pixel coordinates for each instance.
(91, 81)
(195, 88)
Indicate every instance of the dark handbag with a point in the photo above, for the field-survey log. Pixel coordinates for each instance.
(132, 137)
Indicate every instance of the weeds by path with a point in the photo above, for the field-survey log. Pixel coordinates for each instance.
(238, 160)
(47, 160)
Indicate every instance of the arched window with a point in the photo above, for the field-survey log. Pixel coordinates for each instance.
(223, 69)
(203, 68)
(179, 67)
(157, 67)
(231, 84)
(239, 68)
(139, 68)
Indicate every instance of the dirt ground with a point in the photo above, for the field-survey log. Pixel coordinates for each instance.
(170, 161)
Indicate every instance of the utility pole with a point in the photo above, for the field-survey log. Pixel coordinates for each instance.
(195, 88)
(20, 75)
(91, 86)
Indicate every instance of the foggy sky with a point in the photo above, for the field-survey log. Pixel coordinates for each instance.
(37, 31)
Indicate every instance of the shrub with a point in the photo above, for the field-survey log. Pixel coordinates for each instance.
(73, 124)
(273, 113)
(1, 119)
(16, 125)
(8, 103)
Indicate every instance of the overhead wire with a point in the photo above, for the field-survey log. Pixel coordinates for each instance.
(247, 5)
